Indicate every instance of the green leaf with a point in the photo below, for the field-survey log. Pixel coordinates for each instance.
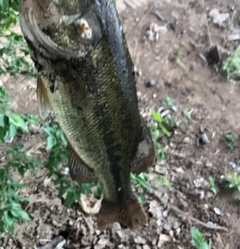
(69, 199)
(2, 119)
(8, 217)
(18, 121)
(21, 171)
(15, 212)
(203, 245)
(12, 130)
(51, 142)
(157, 117)
(24, 215)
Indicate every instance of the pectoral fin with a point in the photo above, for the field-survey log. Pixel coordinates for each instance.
(43, 99)
(79, 170)
(145, 156)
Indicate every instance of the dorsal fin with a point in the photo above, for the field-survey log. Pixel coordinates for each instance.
(43, 99)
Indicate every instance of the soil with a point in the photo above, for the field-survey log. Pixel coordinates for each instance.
(179, 66)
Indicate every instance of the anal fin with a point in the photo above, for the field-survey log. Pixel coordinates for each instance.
(79, 170)
(43, 99)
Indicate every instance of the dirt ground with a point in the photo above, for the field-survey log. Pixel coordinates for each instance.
(176, 62)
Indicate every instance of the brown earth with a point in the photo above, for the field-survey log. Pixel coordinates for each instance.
(177, 64)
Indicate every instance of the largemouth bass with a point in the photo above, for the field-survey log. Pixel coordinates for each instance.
(86, 77)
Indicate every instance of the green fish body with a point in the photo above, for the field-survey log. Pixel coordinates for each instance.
(93, 97)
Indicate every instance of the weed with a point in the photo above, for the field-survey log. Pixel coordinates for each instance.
(177, 54)
(11, 211)
(140, 182)
(163, 181)
(160, 123)
(232, 180)
(10, 122)
(228, 140)
(197, 239)
(13, 50)
(160, 151)
(212, 185)
(186, 116)
(231, 66)
(170, 119)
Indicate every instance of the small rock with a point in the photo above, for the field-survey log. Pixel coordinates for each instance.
(122, 236)
(187, 140)
(146, 247)
(176, 225)
(210, 194)
(56, 223)
(154, 242)
(233, 165)
(34, 129)
(234, 37)
(167, 227)
(202, 195)
(155, 209)
(65, 171)
(203, 139)
(217, 211)
(165, 214)
(151, 82)
(209, 165)
(61, 244)
(200, 182)
(115, 227)
(171, 233)
(159, 222)
(180, 170)
(162, 239)
(210, 223)
(178, 230)
(140, 240)
(165, 197)
(71, 223)
(205, 206)
(214, 13)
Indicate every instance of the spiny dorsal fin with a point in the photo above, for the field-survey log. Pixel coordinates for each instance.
(79, 170)
(43, 99)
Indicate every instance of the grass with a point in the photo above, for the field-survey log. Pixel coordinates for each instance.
(232, 181)
(231, 65)
(229, 141)
(212, 185)
(198, 241)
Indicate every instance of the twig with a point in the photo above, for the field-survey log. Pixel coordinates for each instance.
(143, 15)
(163, 60)
(206, 21)
(53, 244)
(183, 214)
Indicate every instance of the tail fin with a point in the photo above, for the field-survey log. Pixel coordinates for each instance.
(130, 214)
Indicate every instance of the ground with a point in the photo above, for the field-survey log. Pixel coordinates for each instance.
(177, 63)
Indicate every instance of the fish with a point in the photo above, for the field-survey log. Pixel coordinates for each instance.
(86, 78)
